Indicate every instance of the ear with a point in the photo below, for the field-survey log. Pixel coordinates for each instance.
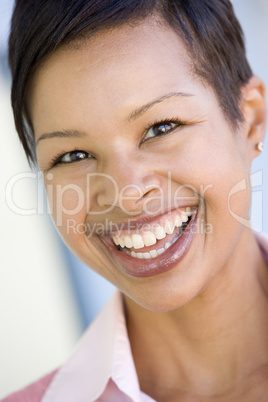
(254, 111)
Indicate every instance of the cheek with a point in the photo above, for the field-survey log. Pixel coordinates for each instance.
(211, 164)
(68, 207)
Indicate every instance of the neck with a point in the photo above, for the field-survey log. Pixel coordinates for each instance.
(206, 345)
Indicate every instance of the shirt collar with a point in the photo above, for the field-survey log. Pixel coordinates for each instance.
(102, 354)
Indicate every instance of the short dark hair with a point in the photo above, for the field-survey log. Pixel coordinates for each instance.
(208, 28)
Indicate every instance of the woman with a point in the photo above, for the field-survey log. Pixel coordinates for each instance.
(144, 118)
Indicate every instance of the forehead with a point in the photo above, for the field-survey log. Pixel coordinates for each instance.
(116, 69)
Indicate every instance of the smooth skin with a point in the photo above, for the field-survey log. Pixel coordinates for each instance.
(199, 331)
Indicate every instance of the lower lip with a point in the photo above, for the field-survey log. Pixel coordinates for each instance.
(155, 266)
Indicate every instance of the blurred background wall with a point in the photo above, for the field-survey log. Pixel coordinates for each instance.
(40, 320)
(48, 297)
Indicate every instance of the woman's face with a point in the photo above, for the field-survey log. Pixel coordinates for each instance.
(129, 142)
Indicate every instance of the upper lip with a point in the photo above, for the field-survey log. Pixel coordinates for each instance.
(138, 223)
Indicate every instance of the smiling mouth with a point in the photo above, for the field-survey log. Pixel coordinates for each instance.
(148, 244)
(156, 247)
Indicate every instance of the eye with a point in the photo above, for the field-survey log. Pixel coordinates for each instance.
(161, 128)
(70, 157)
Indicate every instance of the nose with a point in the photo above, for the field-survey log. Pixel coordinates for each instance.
(125, 182)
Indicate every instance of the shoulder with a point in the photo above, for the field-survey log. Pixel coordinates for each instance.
(33, 392)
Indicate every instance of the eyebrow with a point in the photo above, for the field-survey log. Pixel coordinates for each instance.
(60, 134)
(133, 116)
(141, 110)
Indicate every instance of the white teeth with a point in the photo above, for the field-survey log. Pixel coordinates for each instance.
(160, 251)
(121, 243)
(167, 245)
(169, 227)
(153, 253)
(146, 256)
(137, 241)
(159, 232)
(178, 221)
(116, 241)
(149, 239)
(128, 242)
(184, 217)
(188, 211)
